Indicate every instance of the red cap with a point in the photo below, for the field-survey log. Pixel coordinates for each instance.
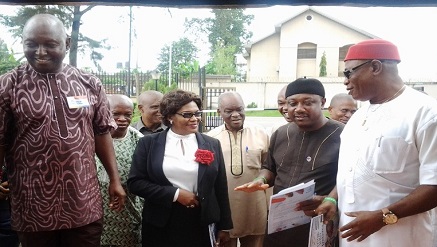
(373, 49)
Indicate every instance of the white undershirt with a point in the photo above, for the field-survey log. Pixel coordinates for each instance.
(179, 168)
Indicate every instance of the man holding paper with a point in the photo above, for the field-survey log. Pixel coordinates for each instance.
(300, 151)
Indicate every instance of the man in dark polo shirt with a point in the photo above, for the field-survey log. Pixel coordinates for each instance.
(151, 119)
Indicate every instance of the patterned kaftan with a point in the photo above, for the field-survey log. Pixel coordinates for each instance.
(121, 228)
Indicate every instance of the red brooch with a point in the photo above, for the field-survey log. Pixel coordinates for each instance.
(205, 157)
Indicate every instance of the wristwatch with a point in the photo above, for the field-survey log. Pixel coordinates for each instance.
(388, 217)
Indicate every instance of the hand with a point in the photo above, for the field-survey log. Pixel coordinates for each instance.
(117, 196)
(222, 238)
(187, 198)
(328, 209)
(4, 191)
(309, 206)
(364, 224)
(253, 186)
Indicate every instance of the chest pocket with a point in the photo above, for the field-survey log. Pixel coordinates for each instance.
(389, 155)
(253, 159)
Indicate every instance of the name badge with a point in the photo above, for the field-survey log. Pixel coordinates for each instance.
(77, 102)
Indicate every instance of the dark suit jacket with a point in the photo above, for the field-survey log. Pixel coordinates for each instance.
(146, 179)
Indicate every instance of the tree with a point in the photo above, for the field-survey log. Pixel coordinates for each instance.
(222, 61)
(183, 57)
(70, 16)
(322, 66)
(227, 29)
(7, 59)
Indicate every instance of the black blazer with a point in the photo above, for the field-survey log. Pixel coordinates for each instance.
(146, 179)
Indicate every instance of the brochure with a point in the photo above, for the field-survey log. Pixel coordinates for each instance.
(282, 213)
(322, 235)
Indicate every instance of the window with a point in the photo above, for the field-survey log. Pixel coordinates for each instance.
(307, 51)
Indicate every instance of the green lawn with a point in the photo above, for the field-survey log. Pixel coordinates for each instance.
(249, 113)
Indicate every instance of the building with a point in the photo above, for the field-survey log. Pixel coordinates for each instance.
(296, 48)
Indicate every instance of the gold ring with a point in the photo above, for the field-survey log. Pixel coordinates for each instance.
(192, 206)
(188, 206)
(314, 211)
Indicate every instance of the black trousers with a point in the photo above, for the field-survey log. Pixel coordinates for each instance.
(183, 230)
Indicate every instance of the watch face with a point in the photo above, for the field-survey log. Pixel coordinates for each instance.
(390, 218)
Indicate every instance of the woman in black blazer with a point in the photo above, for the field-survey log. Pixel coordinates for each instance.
(180, 173)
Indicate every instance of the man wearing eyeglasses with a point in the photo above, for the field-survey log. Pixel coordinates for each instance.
(342, 107)
(387, 172)
(244, 149)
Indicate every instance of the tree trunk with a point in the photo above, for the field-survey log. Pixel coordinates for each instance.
(75, 35)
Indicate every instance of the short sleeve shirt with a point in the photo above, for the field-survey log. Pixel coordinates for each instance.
(47, 128)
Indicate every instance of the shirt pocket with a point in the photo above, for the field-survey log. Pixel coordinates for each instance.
(389, 155)
(253, 159)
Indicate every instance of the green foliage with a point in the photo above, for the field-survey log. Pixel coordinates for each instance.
(229, 28)
(223, 62)
(322, 65)
(17, 21)
(227, 33)
(252, 105)
(70, 16)
(162, 87)
(7, 59)
(183, 54)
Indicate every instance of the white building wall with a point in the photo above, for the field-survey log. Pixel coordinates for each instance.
(327, 34)
(265, 94)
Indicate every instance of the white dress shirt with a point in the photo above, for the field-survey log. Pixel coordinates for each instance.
(179, 166)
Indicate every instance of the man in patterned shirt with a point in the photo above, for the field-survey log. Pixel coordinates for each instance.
(121, 228)
(53, 120)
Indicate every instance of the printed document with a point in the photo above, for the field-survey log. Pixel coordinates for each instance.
(282, 208)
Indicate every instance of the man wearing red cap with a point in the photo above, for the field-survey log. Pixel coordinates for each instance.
(386, 181)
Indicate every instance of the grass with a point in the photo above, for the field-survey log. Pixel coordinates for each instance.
(249, 113)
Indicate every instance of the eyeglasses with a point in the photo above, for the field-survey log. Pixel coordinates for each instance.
(190, 114)
(347, 73)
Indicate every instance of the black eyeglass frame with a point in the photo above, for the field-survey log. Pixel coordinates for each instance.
(347, 73)
(189, 115)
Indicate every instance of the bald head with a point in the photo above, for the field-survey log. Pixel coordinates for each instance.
(47, 22)
(149, 96)
(231, 109)
(342, 107)
(116, 100)
(148, 105)
(45, 43)
(229, 94)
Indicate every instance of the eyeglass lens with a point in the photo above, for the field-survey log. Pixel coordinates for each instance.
(347, 73)
(190, 114)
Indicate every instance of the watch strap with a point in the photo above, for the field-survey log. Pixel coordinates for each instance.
(385, 211)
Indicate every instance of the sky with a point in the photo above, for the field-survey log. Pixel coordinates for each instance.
(411, 29)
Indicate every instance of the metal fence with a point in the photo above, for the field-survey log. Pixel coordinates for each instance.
(131, 84)
(128, 83)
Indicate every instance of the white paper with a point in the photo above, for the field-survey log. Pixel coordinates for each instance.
(322, 235)
(318, 236)
(282, 207)
(212, 234)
